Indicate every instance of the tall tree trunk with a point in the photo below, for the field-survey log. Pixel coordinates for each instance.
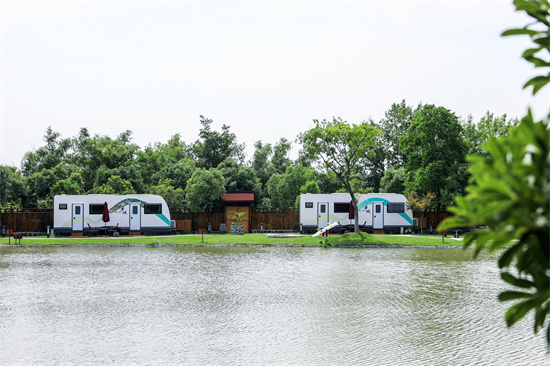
(354, 201)
(356, 223)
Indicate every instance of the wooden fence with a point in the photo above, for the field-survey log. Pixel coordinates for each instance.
(199, 220)
(286, 218)
(26, 219)
(431, 219)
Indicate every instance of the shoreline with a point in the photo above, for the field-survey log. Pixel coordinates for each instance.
(122, 245)
(248, 240)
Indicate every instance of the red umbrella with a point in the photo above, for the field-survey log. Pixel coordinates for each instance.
(351, 210)
(106, 217)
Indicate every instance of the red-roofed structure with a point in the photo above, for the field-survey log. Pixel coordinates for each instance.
(238, 197)
(238, 202)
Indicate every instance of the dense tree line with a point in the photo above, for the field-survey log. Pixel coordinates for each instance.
(421, 148)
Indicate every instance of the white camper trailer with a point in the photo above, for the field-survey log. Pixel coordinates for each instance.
(377, 211)
(127, 213)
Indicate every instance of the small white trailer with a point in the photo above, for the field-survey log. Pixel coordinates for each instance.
(130, 213)
(377, 211)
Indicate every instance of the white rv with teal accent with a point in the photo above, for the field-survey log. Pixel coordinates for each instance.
(137, 213)
(377, 211)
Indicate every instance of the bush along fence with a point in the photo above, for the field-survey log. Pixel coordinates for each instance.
(36, 220)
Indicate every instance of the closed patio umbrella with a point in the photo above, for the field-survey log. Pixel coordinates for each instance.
(105, 217)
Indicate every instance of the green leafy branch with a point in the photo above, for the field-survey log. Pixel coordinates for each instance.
(237, 218)
(539, 10)
(508, 199)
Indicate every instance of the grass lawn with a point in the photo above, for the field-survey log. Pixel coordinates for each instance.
(247, 239)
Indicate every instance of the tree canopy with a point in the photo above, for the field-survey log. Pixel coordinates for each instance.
(214, 147)
(434, 148)
(85, 163)
(204, 188)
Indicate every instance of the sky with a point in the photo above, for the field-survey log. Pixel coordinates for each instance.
(265, 68)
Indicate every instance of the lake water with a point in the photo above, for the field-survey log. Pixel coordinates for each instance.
(256, 306)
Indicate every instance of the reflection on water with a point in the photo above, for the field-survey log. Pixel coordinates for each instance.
(256, 306)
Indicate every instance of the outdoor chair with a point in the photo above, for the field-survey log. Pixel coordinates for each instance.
(113, 230)
(93, 230)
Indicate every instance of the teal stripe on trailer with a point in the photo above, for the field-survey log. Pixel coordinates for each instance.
(406, 217)
(371, 200)
(164, 218)
(378, 199)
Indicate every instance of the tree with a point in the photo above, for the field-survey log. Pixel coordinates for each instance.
(341, 147)
(373, 164)
(434, 149)
(358, 186)
(128, 173)
(311, 186)
(65, 186)
(280, 160)
(261, 165)
(395, 124)
(328, 181)
(92, 153)
(214, 147)
(156, 157)
(477, 134)
(48, 156)
(261, 161)
(239, 178)
(272, 189)
(204, 188)
(420, 204)
(508, 198)
(115, 185)
(40, 183)
(283, 188)
(174, 197)
(178, 172)
(393, 180)
(12, 186)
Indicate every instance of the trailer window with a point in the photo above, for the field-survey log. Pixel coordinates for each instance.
(309, 204)
(396, 207)
(96, 209)
(62, 206)
(341, 207)
(153, 208)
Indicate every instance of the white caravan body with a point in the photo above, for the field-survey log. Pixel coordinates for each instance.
(377, 211)
(127, 213)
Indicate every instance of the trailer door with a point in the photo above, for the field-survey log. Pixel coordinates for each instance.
(378, 215)
(322, 215)
(135, 217)
(78, 216)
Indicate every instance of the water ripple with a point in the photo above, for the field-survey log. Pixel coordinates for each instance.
(256, 306)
